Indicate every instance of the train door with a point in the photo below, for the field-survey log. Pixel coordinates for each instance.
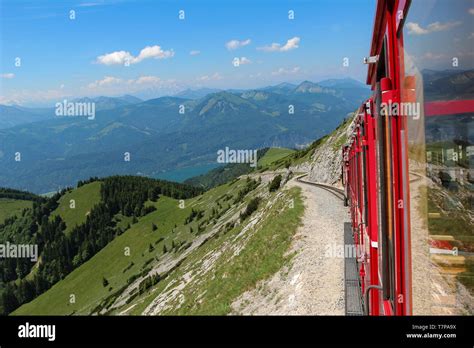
(385, 206)
(436, 74)
(391, 158)
(372, 299)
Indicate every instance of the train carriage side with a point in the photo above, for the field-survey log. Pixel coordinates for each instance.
(408, 166)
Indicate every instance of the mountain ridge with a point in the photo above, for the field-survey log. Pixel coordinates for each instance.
(163, 133)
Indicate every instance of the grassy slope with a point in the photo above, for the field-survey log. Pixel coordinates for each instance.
(263, 255)
(213, 292)
(274, 154)
(86, 281)
(85, 198)
(10, 207)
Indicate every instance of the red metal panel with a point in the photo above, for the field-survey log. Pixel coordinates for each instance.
(400, 174)
(402, 9)
(452, 107)
(388, 20)
(377, 39)
(372, 190)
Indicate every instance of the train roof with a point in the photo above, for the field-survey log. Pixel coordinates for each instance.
(378, 32)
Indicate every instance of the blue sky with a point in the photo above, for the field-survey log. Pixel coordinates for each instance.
(60, 56)
(87, 56)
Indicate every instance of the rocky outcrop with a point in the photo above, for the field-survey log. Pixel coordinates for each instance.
(326, 161)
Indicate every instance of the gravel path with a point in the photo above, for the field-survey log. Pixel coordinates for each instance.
(313, 284)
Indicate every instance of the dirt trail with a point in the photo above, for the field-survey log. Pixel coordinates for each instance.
(313, 284)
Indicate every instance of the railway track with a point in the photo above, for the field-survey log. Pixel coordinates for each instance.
(335, 191)
(352, 291)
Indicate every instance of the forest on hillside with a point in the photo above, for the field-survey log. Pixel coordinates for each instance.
(21, 280)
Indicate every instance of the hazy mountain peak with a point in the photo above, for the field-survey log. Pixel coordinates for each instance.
(166, 100)
(342, 83)
(130, 99)
(286, 85)
(107, 103)
(256, 95)
(196, 93)
(221, 102)
(308, 87)
(281, 88)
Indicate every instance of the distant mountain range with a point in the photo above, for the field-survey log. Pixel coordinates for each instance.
(448, 84)
(11, 116)
(59, 151)
(107, 103)
(196, 93)
(15, 115)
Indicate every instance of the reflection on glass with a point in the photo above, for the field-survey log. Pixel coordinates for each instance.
(439, 78)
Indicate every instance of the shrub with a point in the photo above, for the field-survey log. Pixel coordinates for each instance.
(275, 184)
(251, 207)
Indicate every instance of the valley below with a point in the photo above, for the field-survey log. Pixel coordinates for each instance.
(158, 136)
(162, 248)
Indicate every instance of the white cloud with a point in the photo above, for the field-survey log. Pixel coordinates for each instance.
(471, 11)
(241, 61)
(108, 85)
(291, 44)
(112, 82)
(471, 36)
(194, 52)
(118, 57)
(215, 77)
(153, 52)
(432, 56)
(437, 26)
(7, 76)
(122, 57)
(41, 96)
(416, 29)
(148, 86)
(235, 44)
(283, 71)
(146, 80)
(106, 81)
(244, 60)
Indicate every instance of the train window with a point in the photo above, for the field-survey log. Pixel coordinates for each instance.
(382, 63)
(364, 177)
(385, 208)
(437, 71)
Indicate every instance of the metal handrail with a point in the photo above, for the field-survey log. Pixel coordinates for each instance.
(366, 296)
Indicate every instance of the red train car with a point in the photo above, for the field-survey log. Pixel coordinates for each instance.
(408, 166)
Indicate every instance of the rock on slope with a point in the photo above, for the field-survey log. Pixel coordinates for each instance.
(326, 161)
